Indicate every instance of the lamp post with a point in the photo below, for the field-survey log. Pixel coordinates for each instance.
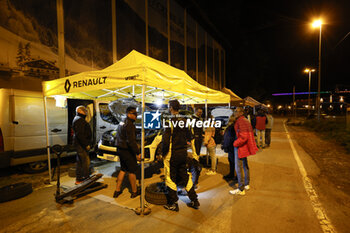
(307, 70)
(316, 24)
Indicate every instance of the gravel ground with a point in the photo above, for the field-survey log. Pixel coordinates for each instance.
(333, 183)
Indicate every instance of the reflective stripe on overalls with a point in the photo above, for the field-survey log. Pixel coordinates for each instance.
(168, 181)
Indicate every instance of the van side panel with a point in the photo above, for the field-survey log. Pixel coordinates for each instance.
(58, 122)
(30, 126)
(30, 130)
(5, 126)
(5, 119)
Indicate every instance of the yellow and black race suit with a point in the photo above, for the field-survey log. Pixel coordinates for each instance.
(174, 149)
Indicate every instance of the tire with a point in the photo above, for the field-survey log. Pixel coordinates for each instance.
(15, 191)
(36, 167)
(156, 193)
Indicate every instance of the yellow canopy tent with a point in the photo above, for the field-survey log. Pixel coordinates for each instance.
(125, 79)
(137, 76)
(235, 100)
(253, 102)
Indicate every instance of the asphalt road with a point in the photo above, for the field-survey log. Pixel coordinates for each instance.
(276, 202)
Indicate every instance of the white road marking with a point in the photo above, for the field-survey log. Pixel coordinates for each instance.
(320, 212)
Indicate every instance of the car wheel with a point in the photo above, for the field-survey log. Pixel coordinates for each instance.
(15, 191)
(36, 167)
(156, 193)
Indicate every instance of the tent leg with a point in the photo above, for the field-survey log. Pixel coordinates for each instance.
(206, 110)
(142, 210)
(206, 117)
(47, 139)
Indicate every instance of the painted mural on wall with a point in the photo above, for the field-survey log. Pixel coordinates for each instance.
(28, 41)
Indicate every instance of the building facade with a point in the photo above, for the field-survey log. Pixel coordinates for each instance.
(98, 33)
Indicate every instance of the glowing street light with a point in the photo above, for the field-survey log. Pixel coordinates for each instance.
(307, 70)
(318, 24)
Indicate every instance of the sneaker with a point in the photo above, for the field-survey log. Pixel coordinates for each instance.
(172, 207)
(247, 187)
(194, 204)
(237, 192)
(210, 173)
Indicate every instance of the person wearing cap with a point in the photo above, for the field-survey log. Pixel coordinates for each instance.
(82, 140)
(128, 151)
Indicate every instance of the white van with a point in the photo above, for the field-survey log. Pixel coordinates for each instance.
(22, 126)
(222, 113)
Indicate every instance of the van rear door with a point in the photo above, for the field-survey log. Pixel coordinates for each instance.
(29, 125)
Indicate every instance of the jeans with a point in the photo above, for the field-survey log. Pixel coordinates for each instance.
(261, 137)
(83, 164)
(195, 169)
(240, 166)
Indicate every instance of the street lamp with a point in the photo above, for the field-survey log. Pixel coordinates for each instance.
(316, 24)
(307, 70)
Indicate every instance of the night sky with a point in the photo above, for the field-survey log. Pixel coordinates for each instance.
(269, 44)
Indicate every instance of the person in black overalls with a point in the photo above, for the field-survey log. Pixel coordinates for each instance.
(128, 151)
(82, 140)
(174, 150)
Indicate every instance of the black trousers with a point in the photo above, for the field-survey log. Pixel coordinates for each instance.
(172, 195)
(267, 136)
(83, 163)
(178, 173)
(198, 144)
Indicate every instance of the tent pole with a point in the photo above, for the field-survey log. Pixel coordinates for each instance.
(60, 35)
(206, 117)
(47, 139)
(114, 31)
(143, 152)
(206, 110)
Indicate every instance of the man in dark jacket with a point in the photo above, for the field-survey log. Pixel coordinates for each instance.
(129, 152)
(175, 139)
(82, 140)
(198, 131)
(227, 146)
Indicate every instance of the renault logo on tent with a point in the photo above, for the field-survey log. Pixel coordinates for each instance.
(67, 85)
